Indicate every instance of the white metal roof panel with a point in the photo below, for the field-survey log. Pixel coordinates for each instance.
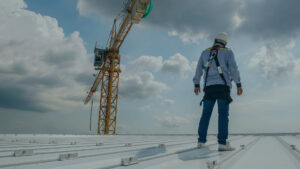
(147, 151)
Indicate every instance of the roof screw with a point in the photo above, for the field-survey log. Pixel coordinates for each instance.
(212, 164)
(293, 147)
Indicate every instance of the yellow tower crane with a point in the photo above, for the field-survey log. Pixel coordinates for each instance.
(107, 61)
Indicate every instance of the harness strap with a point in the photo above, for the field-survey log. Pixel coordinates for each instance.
(213, 55)
(220, 70)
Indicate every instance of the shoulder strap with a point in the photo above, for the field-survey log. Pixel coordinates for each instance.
(220, 70)
(206, 74)
(214, 54)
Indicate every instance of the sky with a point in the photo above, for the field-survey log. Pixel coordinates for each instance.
(46, 65)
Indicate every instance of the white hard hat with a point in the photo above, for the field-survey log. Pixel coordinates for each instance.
(222, 37)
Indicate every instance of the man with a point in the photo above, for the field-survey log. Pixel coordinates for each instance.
(218, 67)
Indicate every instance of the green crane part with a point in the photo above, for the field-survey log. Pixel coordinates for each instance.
(149, 9)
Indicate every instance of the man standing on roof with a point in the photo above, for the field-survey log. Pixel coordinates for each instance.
(218, 67)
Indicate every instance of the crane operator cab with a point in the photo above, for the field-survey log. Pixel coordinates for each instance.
(100, 56)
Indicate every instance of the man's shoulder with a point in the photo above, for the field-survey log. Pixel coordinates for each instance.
(226, 49)
(207, 49)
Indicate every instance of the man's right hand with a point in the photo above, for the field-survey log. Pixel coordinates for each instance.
(197, 90)
(239, 91)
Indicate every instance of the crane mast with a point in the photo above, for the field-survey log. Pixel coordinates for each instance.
(110, 70)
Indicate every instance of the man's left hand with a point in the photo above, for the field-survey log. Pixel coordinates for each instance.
(197, 90)
(239, 91)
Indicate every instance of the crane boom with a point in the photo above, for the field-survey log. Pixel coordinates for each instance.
(93, 88)
(109, 72)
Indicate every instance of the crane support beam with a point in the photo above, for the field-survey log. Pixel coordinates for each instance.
(123, 28)
(109, 94)
(123, 38)
(94, 87)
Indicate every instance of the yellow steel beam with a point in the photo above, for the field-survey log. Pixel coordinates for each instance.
(94, 87)
(125, 23)
(122, 40)
(109, 96)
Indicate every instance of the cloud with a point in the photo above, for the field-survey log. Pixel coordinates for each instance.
(200, 19)
(144, 62)
(275, 60)
(40, 67)
(102, 7)
(168, 102)
(19, 98)
(194, 65)
(270, 19)
(144, 108)
(275, 104)
(140, 86)
(122, 128)
(138, 82)
(182, 18)
(297, 68)
(188, 36)
(168, 120)
(176, 64)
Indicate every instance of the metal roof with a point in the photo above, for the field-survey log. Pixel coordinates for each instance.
(147, 151)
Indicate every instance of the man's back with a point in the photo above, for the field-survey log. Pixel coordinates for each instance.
(227, 63)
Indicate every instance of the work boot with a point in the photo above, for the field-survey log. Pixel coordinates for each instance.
(200, 145)
(226, 147)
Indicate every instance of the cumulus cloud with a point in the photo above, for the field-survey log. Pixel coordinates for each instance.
(275, 60)
(138, 82)
(188, 36)
(144, 62)
(141, 85)
(176, 64)
(168, 120)
(40, 67)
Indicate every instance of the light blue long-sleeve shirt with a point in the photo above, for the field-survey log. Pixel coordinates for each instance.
(227, 63)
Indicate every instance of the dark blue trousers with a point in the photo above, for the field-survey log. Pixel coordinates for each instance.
(223, 109)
